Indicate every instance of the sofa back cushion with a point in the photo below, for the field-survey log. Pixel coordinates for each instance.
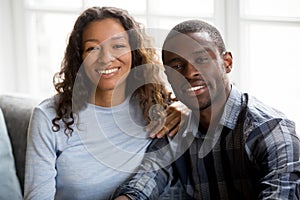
(17, 111)
(9, 184)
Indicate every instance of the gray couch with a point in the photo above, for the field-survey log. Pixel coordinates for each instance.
(17, 111)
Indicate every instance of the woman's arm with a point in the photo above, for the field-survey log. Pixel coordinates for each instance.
(40, 171)
(170, 120)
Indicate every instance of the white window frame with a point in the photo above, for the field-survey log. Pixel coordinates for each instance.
(227, 17)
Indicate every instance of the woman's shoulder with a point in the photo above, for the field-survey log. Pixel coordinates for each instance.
(46, 107)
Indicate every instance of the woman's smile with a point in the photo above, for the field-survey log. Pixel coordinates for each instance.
(107, 73)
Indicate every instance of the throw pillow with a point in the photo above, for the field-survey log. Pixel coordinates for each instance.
(9, 184)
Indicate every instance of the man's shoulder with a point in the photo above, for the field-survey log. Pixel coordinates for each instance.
(262, 112)
(263, 118)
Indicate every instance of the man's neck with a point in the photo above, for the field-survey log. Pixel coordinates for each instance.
(211, 115)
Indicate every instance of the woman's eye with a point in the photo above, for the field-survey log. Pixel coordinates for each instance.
(93, 48)
(118, 46)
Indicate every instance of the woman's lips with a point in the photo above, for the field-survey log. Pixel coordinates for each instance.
(107, 72)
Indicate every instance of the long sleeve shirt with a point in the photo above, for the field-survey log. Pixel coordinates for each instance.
(253, 154)
(106, 147)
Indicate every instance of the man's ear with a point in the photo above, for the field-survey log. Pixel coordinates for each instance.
(227, 57)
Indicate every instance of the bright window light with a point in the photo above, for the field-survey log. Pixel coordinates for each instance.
(272, 54)
(262, 35)
(272, 8)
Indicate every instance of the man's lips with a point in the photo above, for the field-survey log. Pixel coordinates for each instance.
(195, 88)
(191, 89)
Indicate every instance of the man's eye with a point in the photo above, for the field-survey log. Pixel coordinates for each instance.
(202, 60)
(177, 67)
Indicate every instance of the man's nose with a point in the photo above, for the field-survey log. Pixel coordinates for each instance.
(190, 72)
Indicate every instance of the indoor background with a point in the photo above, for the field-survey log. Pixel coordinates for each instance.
(263, 36)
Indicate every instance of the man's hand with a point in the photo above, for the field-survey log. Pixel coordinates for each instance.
(169, 122)
(123, 197)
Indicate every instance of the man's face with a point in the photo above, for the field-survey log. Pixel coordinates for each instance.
(195, 70)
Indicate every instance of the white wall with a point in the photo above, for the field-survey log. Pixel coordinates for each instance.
(7, 61)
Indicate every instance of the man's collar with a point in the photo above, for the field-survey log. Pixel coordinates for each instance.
(232, 108)
(229, 117)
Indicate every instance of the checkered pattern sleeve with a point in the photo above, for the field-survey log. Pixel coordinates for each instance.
(154, 175)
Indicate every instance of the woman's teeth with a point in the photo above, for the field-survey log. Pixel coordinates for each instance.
(107, 71)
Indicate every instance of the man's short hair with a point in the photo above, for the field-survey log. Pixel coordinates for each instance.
(195, 26)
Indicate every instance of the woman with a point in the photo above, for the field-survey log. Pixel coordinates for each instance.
(90, 137)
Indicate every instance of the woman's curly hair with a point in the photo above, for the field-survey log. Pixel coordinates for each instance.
(72, 85)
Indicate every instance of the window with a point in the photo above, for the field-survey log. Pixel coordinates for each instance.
(48, 24)
(262, 35)
(269, 32)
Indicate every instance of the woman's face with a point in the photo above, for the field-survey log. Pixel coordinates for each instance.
(106, 54)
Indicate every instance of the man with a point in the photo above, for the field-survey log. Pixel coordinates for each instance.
(242, 148)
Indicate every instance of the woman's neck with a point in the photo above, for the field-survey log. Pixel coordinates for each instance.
(108, 98)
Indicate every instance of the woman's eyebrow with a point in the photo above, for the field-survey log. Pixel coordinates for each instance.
(112, 38)
(90, 40)
(118, 37)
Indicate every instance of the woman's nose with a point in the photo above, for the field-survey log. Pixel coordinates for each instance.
(105, 56)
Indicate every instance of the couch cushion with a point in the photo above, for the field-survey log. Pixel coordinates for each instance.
(9, 184)
(17, 111)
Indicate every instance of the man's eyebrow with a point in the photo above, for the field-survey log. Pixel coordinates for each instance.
(202, 51)
(175, 59)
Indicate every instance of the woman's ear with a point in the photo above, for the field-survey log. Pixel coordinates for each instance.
(227, 57)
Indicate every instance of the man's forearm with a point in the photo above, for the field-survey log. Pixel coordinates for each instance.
(152, 178)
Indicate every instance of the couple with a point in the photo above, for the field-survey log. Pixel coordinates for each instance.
(88, 140)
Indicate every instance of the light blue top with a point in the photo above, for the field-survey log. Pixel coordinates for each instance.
(106, 147)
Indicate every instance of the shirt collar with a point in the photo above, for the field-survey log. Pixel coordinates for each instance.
(229, 117)
(232, 108)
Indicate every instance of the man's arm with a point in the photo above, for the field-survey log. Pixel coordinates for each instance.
(153, 177)
(277, 154)
(155, 174)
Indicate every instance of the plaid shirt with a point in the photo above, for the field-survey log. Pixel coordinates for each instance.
(254, 154)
